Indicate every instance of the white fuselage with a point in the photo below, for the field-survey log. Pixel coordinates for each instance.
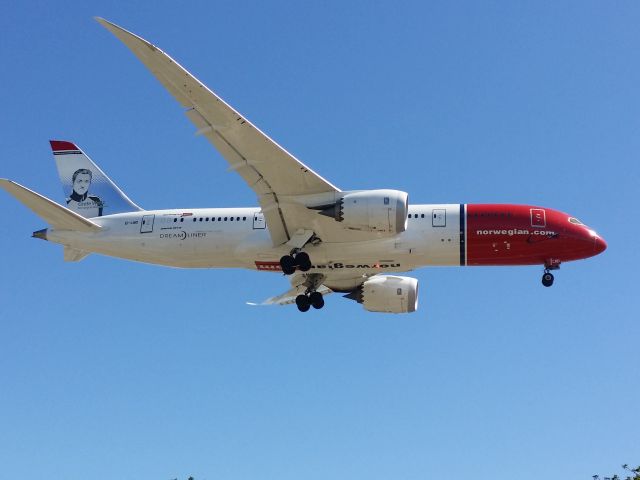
(238, 238)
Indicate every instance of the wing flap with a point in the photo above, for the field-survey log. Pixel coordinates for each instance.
(55, 215)
(289, 297)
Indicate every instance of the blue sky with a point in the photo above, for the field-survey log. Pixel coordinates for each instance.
(111, 369)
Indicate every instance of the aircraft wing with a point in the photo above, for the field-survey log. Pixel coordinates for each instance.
(323, 283)
(268, 169)
(289, 297)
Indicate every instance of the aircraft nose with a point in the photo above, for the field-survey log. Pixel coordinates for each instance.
(599, 245)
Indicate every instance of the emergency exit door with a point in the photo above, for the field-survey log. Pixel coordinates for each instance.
(258, 221)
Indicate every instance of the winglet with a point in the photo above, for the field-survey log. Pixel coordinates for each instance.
(123, 34)
(163, 67)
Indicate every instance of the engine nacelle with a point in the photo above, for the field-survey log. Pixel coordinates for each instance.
(388, 294)
(383, 211)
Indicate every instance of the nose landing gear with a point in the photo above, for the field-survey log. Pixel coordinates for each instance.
(547, 276)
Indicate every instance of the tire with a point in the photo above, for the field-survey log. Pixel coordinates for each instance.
(288, 265)
(303, 261)
(547, 279)
(303, 304)
(316, 300)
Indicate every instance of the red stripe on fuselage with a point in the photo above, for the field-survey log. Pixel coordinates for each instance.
(268, 266)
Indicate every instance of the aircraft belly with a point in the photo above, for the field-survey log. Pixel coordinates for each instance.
(198, 249)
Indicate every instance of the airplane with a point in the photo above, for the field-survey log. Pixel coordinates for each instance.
(322, 238)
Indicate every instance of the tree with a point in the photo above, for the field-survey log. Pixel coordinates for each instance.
(631, 474)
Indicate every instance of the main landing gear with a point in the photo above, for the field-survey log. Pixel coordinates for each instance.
(312, 282)
(298, 259)
(547, 276)
(313, 299)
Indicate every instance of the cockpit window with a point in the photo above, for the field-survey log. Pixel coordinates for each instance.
(575, 221)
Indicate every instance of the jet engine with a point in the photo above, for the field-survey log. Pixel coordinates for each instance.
(388, 294)
(383, 211)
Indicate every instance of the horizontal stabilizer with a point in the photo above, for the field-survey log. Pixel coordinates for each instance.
(55, 215)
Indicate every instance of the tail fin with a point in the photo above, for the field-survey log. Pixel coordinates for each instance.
(55, 215)
(89, 192)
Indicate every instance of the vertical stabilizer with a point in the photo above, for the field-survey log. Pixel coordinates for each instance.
(88, 190)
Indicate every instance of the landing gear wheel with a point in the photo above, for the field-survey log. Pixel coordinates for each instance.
(288, 264)
(302, 301)
(547, 279)
(303, 261)
(316, 300)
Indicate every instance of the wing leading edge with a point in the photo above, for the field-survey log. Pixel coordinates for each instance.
(269, 170)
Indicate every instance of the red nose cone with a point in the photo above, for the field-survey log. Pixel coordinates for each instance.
(600, 245)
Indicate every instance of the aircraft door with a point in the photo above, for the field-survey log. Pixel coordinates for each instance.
(439, 217)
(538, 217)
(258, 221)
(147, 223)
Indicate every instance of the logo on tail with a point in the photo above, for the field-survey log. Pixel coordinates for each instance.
(88, 190)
